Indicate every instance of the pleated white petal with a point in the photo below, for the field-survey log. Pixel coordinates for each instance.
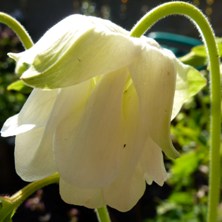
(154, 74)
(129, 185)
(34, 158)
(88, 197)
(125, 191)
(122, 194)
(87, 146)
(11, 127)
(152, 163)
(133, 132)
(34, 113)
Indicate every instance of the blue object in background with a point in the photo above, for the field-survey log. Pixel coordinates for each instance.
(178, 44)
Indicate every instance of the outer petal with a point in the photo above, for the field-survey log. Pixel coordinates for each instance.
(34, 113)
(11, 127)
(122, 194)
(33, 148)
(88, 197)
(89, 144)
(37, 108)
(74, 50)
(34, 158)
(125, 191)
(152, 163)
(154, 79)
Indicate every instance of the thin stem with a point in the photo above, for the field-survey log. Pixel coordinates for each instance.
(103, 214)
(188, 10)
(18, 198)
(17, 28)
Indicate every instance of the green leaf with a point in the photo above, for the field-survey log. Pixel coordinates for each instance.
(188, 84)
(183, 168)
(182, 198)
(195, 82)
(197, 57)
(19, 86)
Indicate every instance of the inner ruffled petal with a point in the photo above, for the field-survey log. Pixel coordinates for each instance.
(154, 80)
(152, 163)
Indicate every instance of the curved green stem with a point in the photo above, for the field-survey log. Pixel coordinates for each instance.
(18, 198)
(17, 28)
(188, 10)
(103, 214)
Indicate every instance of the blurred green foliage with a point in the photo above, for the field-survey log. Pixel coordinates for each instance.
(198, 57)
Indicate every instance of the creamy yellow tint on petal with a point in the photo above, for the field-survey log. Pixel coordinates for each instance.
(79, 53)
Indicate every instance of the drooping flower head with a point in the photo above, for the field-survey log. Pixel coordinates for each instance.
(99, 113)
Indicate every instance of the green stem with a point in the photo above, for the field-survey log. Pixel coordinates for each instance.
(18, 198)
(103, 214)
(188, 10)
(17, 28)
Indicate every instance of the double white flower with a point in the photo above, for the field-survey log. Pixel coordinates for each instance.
(99, 113)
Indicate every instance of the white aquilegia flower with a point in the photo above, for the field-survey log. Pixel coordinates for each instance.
(99, 113)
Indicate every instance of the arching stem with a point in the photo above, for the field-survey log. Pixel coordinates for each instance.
(19, 197)
(19, 30)
(103, 214)
(188, 10)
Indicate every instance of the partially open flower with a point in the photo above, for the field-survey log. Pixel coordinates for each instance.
(99, 113)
